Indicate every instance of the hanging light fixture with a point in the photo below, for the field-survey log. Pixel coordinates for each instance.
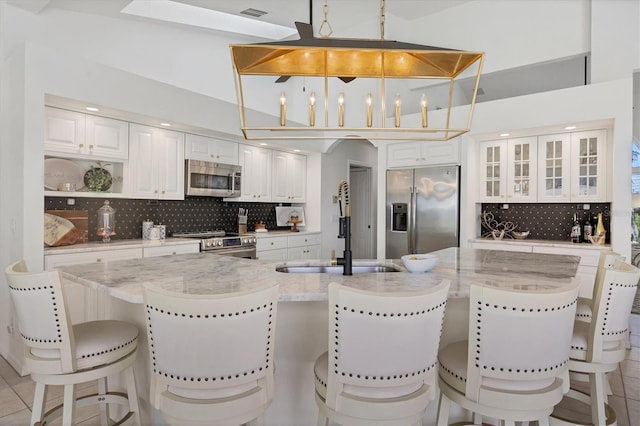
(329, 67)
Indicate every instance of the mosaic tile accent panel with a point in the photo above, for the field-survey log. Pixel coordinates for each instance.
(190, 215)
(548, 221)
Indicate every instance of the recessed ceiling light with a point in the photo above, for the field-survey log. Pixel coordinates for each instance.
(505, 134)
(570, 127)
(181, 13)
(93, 109)
(296, 150)
(263, 144)
(165, 124)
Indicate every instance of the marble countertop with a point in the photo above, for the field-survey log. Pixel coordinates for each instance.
(542, 243)
(118, 245)
(205, 273)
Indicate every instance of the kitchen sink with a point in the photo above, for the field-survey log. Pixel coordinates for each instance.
(315, 269)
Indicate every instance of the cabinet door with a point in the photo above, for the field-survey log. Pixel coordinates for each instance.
(169, 159)
(107, 138)
(210, 149)
(156, 163)
(423, 153)
(493, 171)
(64, 131)
(170, 250)
(588, 168)
(521, 173)
(554, 168)
(256, 173)
(141, 171)
(289, 177)
(53, 261)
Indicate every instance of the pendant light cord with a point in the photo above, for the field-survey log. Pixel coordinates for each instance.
(382, 19)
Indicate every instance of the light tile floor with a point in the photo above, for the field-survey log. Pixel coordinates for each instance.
(16, 395)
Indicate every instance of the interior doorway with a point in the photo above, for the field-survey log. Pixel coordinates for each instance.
(362, 211)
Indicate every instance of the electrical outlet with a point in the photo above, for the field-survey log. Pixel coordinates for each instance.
(504, 206)
(586, 207)
(335, 199)
(71, 201)
(10, 329)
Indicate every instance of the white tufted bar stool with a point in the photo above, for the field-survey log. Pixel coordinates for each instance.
(599, 346)
(382, 360)
(211, 355)
(513, 367)
(585, 304)
(58, 353)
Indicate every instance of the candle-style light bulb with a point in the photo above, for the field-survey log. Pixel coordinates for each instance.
(423, 110)
(369, 110)
(398, 103)
(283, 109)
(340, 109)
(312, 109)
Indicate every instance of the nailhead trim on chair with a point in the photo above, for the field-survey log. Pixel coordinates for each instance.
(515, 308)
(40, 288)
(381, 314)
(606, 312)
(452, 373)
(212, 316)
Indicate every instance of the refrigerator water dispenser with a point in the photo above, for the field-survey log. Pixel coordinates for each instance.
(399, 217)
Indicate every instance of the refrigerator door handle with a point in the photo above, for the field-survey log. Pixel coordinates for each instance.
(412, 220)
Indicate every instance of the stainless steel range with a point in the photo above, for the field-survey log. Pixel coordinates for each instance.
(221, 242)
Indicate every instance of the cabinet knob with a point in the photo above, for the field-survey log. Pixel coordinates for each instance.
(90, 146)
(174, 253)
(163, 191)
(81, 145)
(98, 260)
(155, 191)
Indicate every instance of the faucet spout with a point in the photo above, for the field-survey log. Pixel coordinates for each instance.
(346, 261)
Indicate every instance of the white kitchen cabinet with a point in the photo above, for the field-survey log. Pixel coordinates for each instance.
(588, 167)
(170, 250)
(508, 170)
(293, 247)
(256, 173)
(496, 245)
(554, 168)
(156, 163)
(77, 135)
(412, 154)
(289, 177)
(304, 247)
(209, 149)
(271, 248)
(52, 261)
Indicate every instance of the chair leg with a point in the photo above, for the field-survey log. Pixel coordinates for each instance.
(104, 408)
(443, 410)
(477, 419)
(598, 398)
(37, 411)
(132, 393)
(69, 407)
(322, 420)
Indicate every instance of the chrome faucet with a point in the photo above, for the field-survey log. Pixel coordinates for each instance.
(345, 228)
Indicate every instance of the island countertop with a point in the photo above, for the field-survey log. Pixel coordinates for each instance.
(205, 273)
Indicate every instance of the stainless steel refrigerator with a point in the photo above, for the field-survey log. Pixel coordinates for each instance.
(423, 212)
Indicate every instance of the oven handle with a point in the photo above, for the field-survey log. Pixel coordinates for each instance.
(233, 251)
(233, 182)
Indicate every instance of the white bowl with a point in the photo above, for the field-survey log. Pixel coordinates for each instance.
(419, 262)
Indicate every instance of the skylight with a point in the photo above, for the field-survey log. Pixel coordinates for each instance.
(171, 11)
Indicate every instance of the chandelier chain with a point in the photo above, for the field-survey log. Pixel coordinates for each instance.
(382, 19)
(325, 29)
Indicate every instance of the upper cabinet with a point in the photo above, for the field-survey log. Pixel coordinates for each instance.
(77, 135)
(210, 149)
(508, 170)
(289, 177)
(562, 168)
(256, 173)
(156, 163)
(412, 154)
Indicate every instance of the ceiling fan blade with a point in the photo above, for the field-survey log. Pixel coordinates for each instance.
(305, 30)
(347, 79)
(283, 78)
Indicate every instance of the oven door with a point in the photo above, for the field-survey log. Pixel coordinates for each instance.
(244, 252)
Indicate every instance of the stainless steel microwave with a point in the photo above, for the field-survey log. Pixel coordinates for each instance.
(208, 179)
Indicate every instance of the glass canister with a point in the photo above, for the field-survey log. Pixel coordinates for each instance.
(106, 222)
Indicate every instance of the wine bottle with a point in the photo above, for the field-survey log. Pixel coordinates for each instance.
(576, 230)
(587, 230)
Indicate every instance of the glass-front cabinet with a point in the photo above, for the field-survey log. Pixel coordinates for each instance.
(554, 168)
(508, 170)
(588, 177)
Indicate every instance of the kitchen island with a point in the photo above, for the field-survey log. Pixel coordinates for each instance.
(114, 290)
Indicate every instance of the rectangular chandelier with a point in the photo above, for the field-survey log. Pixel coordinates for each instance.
(321, 88)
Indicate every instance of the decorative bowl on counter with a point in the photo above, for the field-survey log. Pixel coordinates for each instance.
(520, 235)
(419, 262)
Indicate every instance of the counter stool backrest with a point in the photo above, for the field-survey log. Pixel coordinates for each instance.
(519, 340)
(383, 340)
(606, 261)
(204, 343)
(611, 310)
(43, 320)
